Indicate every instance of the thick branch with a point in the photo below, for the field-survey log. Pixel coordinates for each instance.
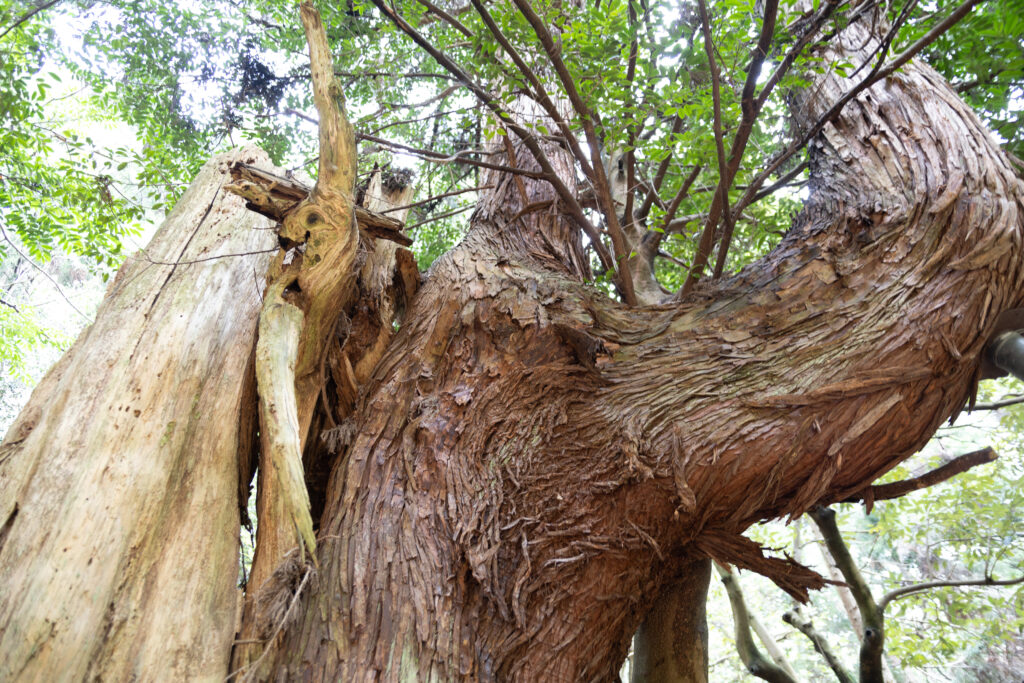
(587, 119)
(873, 638)
(538, 87)
(878, 73)
(567, 197)
(728, 169)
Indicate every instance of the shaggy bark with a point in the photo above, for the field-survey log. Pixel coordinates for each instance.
(119, 481)
(532, 460)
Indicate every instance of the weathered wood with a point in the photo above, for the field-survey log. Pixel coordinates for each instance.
(275, 196)
(119, 480)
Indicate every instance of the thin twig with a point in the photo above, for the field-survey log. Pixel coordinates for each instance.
(458, 157)
(45, 274)
(438, 196)
(627, 211)
(728, 168)
(439, 216)
(205, 258)
(28, 15)
(280, 625)
(668, 223)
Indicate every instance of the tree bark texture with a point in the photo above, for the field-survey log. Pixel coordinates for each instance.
(119, 482)
(529, 463)
(531, 459)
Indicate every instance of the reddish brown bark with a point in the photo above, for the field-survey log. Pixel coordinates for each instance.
(531, 459)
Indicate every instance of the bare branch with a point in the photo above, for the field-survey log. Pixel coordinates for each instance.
(938, 475)
(921, 587)
(757, 664)
(795, 618)
(1005, 403)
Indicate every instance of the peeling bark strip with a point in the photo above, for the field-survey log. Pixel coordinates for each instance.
(122, 559)
(511, 500)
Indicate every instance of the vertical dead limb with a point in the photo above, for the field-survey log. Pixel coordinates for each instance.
(310, 280)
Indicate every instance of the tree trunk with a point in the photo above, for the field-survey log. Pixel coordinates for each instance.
(119, 482)
(531, 458)
(671, 645)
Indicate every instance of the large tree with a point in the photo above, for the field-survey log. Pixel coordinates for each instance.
(495, 469)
